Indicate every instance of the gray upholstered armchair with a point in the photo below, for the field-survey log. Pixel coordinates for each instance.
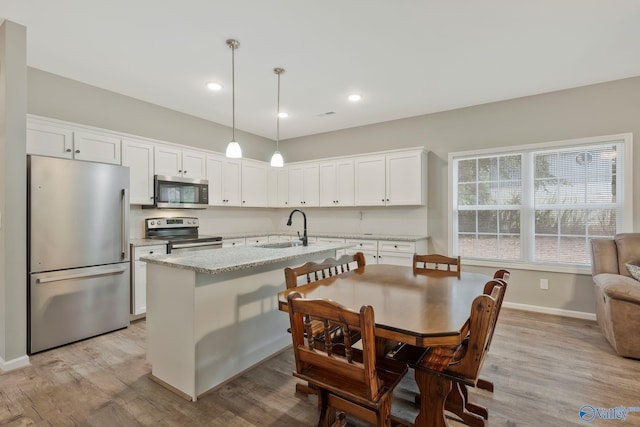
(617, 294)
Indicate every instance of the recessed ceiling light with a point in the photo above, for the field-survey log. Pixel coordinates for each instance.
(283, 115)
(214, 86)
(354, 97)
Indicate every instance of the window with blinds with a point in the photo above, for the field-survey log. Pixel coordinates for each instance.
(540, 204)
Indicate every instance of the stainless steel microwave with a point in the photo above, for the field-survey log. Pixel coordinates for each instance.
(180, 193)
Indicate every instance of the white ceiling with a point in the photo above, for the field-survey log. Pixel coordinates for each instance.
(405, 57)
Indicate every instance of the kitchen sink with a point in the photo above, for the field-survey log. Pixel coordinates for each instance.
(281, 244)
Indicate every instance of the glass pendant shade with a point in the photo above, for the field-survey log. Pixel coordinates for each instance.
(276, 160)
(233, 150)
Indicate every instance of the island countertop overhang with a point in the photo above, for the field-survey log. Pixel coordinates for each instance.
(217, 261)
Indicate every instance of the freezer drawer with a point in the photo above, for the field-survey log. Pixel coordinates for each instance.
(70, 305)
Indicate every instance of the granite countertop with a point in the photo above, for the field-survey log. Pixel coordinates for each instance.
(147, 242)
(361, 236)
(216, 261)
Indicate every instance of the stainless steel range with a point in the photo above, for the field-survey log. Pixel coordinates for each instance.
(182, 234)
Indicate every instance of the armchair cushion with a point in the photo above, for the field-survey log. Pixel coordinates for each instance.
(617, 293)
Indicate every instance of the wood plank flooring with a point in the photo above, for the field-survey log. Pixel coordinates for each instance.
(544, 369)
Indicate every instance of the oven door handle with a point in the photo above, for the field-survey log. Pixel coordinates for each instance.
(193, 245)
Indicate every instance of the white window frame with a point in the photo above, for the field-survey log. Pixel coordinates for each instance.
(627, 193)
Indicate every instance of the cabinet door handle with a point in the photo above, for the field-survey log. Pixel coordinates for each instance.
(77, 151)
(150, 252)
(387, 200)
(184, 171)
(382, 200)
(68, 150)
(179, 170)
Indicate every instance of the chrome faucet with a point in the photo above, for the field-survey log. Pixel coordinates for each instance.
(304, 238)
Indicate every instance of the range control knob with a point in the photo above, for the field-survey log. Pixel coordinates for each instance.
(152, 223)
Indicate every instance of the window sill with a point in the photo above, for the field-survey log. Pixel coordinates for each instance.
(569, 269)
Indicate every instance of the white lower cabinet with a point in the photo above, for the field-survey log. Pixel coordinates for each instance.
(369, 249)
(396, 253)
(387, 251)
(279, 238)
(339, 252)
(139, 276)
(256, 240)
(230, 243)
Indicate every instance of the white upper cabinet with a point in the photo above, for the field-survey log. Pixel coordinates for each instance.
(138, 155)
(193, 164)
(337, 183)
(391, 179)
(304, 184)
(406, 178)
(96, 147)
(49, 138)
(174, 161)
(168, 160)
(223, 175)
(370, 181)
(278, 187)
(254, 183)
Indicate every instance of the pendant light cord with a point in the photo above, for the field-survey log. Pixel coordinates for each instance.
(233, 92)
(278, 117)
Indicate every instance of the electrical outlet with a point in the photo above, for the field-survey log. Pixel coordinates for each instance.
(544, 284)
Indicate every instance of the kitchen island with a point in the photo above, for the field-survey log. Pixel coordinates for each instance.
(212, 314)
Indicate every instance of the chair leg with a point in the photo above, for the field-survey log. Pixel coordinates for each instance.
(458, 403)
(485, 385)
(327, 413)
(384, 413)
(341, 420)
(305, 389)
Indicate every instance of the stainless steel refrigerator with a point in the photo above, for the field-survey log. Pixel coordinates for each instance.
(78, 250)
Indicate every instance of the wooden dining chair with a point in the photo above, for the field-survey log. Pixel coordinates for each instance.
(502, 275)
(349, 380)
(311, 272)
(436, 264)
(462, 364)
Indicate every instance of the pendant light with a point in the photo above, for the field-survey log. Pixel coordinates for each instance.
(277, 160)
(233, 148)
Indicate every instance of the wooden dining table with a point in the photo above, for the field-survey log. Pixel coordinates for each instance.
(420, 309)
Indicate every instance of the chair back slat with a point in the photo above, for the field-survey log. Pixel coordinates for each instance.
(436, 264)
(314, 271)
(327, 362)
(482, 321)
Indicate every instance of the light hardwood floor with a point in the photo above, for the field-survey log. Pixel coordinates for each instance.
(544, 369)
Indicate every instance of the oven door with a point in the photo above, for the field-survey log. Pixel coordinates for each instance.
(180, 193)
(176, 247)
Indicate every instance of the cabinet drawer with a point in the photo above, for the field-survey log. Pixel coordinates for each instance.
(329, 240)
(229, 243)
(258, 240)
(365, 245)
(392, 246)
(142, 251)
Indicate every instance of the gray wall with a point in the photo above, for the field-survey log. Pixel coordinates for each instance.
(13, 205)
(57, 97)
(607, 108)
(600, 109)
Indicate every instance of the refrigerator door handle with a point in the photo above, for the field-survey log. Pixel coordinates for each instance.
(123, 223)
(79, 276)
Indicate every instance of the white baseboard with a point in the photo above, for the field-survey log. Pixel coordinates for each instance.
(549, 310)
(19, 362)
